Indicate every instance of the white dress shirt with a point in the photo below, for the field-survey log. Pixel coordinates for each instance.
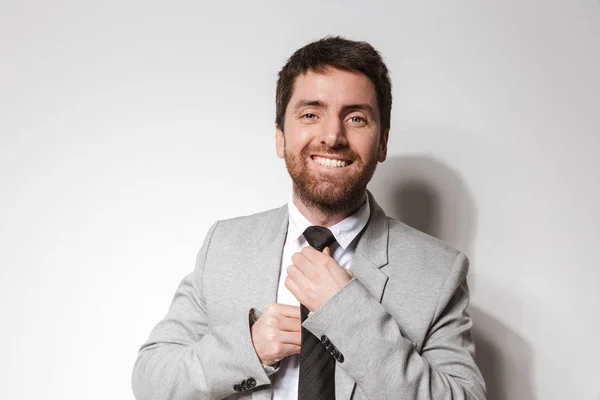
(285, 380)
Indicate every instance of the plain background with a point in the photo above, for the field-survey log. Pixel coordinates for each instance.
(128, 127)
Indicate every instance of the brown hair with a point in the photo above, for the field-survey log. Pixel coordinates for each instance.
(341, 53)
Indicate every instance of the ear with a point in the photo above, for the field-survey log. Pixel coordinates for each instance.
(279, 142)
(383, 146)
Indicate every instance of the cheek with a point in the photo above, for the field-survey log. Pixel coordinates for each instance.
(298, 138)
(366, 145)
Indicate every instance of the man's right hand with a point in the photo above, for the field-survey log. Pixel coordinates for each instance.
(276, 334)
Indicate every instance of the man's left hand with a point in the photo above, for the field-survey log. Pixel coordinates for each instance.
(314, 277)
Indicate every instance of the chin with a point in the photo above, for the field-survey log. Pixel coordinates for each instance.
(329, 193)
(328, 198)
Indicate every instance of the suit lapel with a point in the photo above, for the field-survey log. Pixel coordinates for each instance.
(268, 259)
(370, 255)
(372, 252)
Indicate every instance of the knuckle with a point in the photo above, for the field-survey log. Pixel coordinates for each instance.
(276, 348)
(270, 309)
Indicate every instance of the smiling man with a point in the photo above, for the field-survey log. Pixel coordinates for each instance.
(332, 142)
(325, 297)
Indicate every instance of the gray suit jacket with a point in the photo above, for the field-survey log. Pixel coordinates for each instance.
(400, 325)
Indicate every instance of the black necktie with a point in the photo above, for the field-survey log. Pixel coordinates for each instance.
(317, 365)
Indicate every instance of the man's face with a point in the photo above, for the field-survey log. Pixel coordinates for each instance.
(331, 139)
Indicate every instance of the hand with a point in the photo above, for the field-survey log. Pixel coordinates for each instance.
(315, 277)
(276, 334)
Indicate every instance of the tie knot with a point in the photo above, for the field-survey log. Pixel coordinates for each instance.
(319, 237)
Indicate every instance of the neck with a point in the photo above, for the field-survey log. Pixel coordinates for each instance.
(319, 216)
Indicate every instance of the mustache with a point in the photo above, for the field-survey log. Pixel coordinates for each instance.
(345, 154)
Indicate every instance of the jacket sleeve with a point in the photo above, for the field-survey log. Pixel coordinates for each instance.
(387, 365)
(185, 358)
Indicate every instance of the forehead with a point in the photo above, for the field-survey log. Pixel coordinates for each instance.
(334, 87)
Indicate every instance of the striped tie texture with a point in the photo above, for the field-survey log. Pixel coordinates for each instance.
(317, 365)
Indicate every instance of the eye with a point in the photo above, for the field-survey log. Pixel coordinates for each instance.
(357, 120)
(309, 116)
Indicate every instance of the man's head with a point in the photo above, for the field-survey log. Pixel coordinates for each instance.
(336, 52)
(333, 116)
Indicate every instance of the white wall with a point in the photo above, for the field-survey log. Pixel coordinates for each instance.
(127, 127)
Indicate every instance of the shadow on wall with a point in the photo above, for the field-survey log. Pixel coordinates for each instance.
(428, 195)
(504, 358)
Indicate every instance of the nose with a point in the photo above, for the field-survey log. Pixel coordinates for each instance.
(334, 134)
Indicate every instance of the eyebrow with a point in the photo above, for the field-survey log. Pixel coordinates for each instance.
(309, 103)
(362, 107)
(317, 103)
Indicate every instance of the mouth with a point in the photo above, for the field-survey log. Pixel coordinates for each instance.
(331, 162)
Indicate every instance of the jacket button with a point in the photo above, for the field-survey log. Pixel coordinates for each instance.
(237, 388)
(325, 340)
(340, 357)
(251, 382)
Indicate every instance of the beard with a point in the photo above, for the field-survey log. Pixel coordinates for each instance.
(330, 193)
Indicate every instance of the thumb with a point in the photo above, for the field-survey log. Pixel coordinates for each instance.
(327, 251)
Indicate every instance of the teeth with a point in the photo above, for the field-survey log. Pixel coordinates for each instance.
(328, 162)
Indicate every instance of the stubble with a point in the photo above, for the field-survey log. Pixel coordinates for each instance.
(329, 194)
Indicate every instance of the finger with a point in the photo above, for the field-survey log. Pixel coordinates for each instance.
(314, 256)
(295, 274)
(327, 251)
(294, 338)
(290, 324)
(306, 267)
(289, 349)
(286, 310)
(294, 288)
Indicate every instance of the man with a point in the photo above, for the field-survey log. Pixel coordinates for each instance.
(383, 306)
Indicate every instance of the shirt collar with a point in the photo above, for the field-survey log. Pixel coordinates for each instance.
(344, 231)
